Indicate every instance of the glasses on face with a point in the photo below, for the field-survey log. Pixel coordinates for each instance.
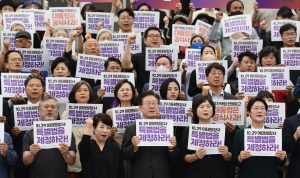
(154, 36)
(148, 104)
(22, 40)
(128, 18)
(214, 73)
(289, 34)
(46, 106)
(16, 59)
(258, 108)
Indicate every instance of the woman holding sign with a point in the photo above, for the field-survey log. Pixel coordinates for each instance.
(256, 166)
(199, 163)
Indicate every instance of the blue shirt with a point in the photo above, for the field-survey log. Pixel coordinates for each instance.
(11, 156)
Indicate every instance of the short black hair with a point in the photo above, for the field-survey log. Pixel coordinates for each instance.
(249, 54)
(267, 51)
(170, 60)
(207, 46)
(144, 4)
(196, 104)
(214, 65)
(11, 51)
(265, 94)
(151, 28)
(228, 5)
(164, 88)
(148, 93)
(287, 27)
(92, 7)
(8, 3)
(35, 76)
(128, 10)
(110, 59)
(104, 118)
(76, 87)
(256, 99)
(61, 60)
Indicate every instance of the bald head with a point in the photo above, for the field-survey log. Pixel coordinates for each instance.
(91, 47)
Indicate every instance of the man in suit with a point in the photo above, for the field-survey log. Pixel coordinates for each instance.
(291, 142)
(146, 161)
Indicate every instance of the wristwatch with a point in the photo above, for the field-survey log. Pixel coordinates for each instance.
(67, 156)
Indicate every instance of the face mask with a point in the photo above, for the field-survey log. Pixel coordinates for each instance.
(197, 45)
(162, 68)
(236, 13)
(209, 57)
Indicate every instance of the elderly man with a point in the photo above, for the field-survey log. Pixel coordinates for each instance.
(48, 162)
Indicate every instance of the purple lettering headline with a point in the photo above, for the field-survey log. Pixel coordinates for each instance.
(154, 133)
(51, 134)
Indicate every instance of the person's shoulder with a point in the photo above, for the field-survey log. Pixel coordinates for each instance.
(293, 118)
(138, 55)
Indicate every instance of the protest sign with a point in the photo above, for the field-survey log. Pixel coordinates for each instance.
(56, 47)
(66, 17)
(240, 46)
(89, 66)
(191, 57)
(13, 83)
(263, 142)
(110, 79)
(290, 57)
(153, 53)
(277, 24)
(154, 132)
(203, 29)
(252, 82)
(278, 4)
(25, 115)
(201, 67)
(136, 47)
(159, 4)
(275, 115)
(210, 3)
(210, 136)
(49, 134)
(111, 49)
(60, 87)
(238, 23)
(175, 110)
(34, 59)
(26, 18)
(232, 111)
(92, 18)
(280, 76)
(123, 116)
(78, 113)
(39, 17)
(1, 108)
(157, 78)
(97, 1)
(182, 34)
(1, 132)
(11, 35)
(144, 20)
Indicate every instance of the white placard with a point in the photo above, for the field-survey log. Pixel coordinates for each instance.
(144, 20)
(56, 47)
(1, 132)
(26, 18)
(90, 66)
(238, 23)
(111, 49)
(13, 83)
(67, 17)
(39, 17)
(291, 57)
(182, 34)
(136, 47)
(252, 83)
(203, 29)
(153, 53)
(240, 46)
(277, 24)
(280, 76)
(157, 78)
(191, 57)
(123, 116)
(92, 18)
(34, 59)
(25, 115)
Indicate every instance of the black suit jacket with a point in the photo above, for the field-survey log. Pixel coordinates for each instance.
(146, 162)
(291, 146)
(255, 166)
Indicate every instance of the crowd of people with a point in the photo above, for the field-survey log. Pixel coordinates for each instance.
(99, 150)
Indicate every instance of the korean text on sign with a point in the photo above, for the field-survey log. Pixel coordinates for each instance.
(154, 132)
(229, 110)
(92, 18)
(109, 81)
(263, 142)
(291, 57)
(157, 78)
(210, 136)
(49, 134)
(26, 18)
(89, 66)
(153, 53)
(112, 49)
(191, 57)
(78, 113)
(277, 24)
(240, 46)
(56, 46)
(280, 76)
(239, 23)
(25, 115)
(203, 29)
(60, 87)
(68, 18)
(182, 34)
(136, 47)
(275, 115)
(144, 20)
(34, 59)
(123, 116)
(176, 111)
(13, 83)
(252, 82)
